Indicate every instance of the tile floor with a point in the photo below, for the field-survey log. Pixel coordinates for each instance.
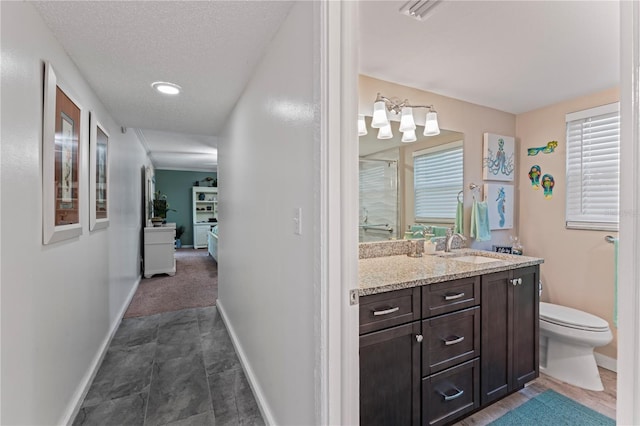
(174, 368)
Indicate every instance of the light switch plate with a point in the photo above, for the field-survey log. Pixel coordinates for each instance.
(297, 221)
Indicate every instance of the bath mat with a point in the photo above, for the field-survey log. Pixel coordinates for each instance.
(552, 409)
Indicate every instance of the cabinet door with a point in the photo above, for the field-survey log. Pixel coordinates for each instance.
(496, 346)
(390, 376)
(525, 326)
(200, 236)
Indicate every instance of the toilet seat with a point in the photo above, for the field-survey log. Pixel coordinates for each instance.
(571, 318)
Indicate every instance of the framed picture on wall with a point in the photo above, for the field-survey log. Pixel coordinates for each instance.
(498, 157)
(61, 154)
(98, 174)
(499, 198)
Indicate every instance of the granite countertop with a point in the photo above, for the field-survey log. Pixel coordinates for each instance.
(382, 274)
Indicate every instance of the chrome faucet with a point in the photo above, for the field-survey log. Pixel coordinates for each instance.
(450, 236)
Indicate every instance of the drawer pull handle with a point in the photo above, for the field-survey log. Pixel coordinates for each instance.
(386, 311)
(458, 394)
(450, 296)
(453, 341)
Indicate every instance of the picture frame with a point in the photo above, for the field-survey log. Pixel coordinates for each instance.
(498, 157)
(500, 202)
(61, 161)
(98, 174)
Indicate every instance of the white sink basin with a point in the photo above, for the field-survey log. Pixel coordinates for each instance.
(475, 259)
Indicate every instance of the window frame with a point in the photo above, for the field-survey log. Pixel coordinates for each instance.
(449, 146)
(574, 219)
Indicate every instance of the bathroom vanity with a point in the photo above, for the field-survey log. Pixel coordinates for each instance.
(442, 336)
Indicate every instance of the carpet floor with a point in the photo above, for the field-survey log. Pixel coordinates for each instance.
(552, 409)
(195, 285)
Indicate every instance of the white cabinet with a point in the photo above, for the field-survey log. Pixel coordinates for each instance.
(205, 213)
(200, 234)
(159, 248)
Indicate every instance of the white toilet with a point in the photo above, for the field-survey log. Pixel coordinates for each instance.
(567, 339)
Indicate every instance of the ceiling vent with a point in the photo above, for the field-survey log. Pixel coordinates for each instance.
(420, 9)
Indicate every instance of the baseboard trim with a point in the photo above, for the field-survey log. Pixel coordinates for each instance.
(253, 383)
(606, 362)
(81, 391)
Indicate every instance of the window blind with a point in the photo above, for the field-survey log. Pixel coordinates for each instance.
(593, 168)
(437, 180)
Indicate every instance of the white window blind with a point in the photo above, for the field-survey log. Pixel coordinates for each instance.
(437, 180)
(593, 168)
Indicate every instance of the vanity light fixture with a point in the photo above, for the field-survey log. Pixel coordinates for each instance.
(166, 88)
(385, 132)
(362, 126)
(380, 120)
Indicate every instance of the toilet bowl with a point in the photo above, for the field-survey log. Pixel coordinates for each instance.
(567, 339)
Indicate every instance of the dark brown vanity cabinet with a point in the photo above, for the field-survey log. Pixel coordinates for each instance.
(431, 355)
(390, 339)
(510, 354)
(450, 350)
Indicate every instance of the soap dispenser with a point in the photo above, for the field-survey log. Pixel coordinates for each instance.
(429, 247)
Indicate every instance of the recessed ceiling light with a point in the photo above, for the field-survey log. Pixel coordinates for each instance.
(166, 88)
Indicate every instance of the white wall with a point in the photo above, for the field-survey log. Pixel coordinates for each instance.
(60, 301)
(269, 277)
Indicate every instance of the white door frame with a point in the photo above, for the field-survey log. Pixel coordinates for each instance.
(338, 402)
(628, 393)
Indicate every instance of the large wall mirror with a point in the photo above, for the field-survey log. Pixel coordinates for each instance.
(394, 197)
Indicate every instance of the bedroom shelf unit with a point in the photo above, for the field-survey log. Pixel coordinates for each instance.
(205, 213)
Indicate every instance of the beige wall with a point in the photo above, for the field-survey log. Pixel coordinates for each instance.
(470, 119)
(578, 268)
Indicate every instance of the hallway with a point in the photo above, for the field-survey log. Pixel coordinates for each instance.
(172, 362)
(174, 368)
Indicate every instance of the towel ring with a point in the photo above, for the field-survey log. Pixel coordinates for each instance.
(459, 194)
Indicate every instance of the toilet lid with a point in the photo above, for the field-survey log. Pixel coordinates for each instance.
(569, 317)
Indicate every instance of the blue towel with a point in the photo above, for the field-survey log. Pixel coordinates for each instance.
(480, 221)
(615, 282)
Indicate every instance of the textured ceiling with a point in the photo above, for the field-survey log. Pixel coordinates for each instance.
(514, 56)
(208, 48)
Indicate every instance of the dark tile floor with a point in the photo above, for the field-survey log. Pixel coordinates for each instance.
(176, 368)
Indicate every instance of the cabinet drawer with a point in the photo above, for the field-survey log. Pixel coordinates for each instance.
(451, 393)
(163, 236)
(450, 296)
(450, 339)
(384, 310)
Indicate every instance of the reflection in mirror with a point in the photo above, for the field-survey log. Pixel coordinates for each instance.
(387, 183)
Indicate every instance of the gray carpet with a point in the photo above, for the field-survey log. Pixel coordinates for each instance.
(176, 368)
(194, 285)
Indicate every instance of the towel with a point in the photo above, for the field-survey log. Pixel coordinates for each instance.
(439, 231)
(480, 221)
(615, 282)
(459, 214)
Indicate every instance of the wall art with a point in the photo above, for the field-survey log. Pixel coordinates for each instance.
(500, 200)
(498, 160)
(61, 154)
(534, 176)
(547, 186)
(547, 149)
(98, 174)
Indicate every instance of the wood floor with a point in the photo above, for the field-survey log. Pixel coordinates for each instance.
(604, 402)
